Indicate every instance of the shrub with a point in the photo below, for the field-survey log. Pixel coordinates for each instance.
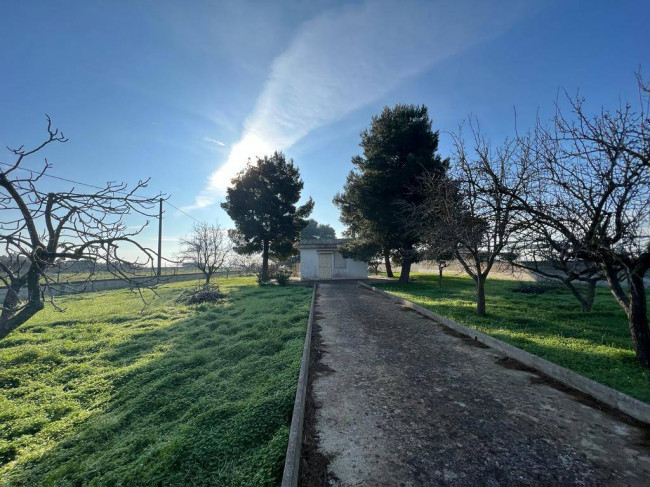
(535, 287)
(261, 280)
(282, 275)
(202, 293)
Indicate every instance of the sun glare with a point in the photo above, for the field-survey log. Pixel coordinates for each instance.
(248, 148)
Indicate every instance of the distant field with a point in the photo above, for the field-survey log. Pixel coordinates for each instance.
(551, 325)
(81, 276)
(177, 395)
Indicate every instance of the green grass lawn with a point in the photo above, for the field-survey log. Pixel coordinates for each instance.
(106, 395)
(550, 325)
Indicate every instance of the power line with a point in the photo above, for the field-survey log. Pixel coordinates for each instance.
(76, 182)
(54, 177)
(92, 186)
(72, 181)
(186, 214)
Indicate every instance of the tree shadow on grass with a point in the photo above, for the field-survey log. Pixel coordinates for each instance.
(189, 403)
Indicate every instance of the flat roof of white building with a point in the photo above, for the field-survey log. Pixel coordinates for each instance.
(322, 243)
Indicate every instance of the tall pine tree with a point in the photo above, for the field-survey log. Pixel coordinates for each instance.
(262, 204)
(398, 149)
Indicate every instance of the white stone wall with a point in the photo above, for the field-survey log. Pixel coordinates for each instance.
(354, 269)
(308, 264)
(104, 285)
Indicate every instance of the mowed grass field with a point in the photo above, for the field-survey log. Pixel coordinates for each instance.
(105, 394)
(550, 325)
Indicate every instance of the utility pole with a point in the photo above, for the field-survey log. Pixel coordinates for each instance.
(160, 212)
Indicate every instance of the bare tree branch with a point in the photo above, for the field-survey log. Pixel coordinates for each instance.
(208, 247)
(86, 232)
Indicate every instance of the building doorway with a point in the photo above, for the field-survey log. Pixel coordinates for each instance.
(325, 266)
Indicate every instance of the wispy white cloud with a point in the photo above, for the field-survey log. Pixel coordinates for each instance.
(346, 58)
(214, 141)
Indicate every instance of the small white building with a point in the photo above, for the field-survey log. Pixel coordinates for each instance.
(321, 259)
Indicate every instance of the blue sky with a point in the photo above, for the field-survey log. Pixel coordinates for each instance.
(182, 92)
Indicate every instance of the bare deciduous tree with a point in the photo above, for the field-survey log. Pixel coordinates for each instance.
(430, 220)
(207, 247)
(442, 256)
(39, 230)
(548, 255)
(471, 210)
(592, 192)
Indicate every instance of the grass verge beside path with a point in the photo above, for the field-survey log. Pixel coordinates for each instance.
(597, 344)
(178, 395)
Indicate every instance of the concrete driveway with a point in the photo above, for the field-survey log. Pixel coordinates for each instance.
(397, 399)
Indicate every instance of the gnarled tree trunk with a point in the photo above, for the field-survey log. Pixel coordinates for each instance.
(636, 308)
(265, 261)
(9, 318)
(479, 276)
(587, 300)
(389, 269)
(480, 295)
(406, 271)
(637, 315)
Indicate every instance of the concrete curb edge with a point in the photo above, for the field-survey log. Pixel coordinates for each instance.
(606, 395)
(294, 448)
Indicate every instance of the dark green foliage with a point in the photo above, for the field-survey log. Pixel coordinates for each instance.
(262, 278)
(315, 230)
(398, 149)
(282, 275)
(361, 249)
(364, 250)
(536, 287)
(176, 396)
(262, 204)
(550, 325)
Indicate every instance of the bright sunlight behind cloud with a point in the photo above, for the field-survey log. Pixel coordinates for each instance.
(346, 58)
